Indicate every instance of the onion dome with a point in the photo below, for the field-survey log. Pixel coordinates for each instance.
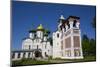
(40, 27)
(46, 32)
(32, 31)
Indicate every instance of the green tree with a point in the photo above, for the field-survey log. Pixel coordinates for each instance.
(85, 45)
(93, 41)
(89, 46)
(93, 47)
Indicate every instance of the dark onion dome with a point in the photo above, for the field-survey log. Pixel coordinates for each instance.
(46, 32)
(40, 28)
(26, 38)
(32, 31)
(73, 17)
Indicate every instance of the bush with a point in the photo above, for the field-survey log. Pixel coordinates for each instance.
(50, 57)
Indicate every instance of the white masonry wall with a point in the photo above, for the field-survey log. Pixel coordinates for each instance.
(56, 45)
(26, 43)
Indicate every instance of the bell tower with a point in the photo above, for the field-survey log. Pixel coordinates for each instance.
(72, 40)
(68, 44)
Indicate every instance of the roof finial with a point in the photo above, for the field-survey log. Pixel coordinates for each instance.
(62, 17)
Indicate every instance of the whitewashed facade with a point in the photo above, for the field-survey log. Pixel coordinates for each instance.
(67, 39)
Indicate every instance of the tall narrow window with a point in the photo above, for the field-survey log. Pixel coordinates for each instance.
(61, 45)
(46, 54)
(24, 55)
(29, 46)
(45, 46)
(29, 55)
(13, 55)
(57, 35)
(74, 23)
(18, 55)
(68, 26)
(37, 46)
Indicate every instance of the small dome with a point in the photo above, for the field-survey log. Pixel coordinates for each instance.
(62, 17)
(32, 31)
(40, 27)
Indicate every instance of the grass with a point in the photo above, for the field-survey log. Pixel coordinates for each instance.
(28, 62)
(51, 61)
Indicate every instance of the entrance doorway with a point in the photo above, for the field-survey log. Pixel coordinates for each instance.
(38, 53)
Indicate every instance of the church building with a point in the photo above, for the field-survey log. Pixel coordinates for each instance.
(66, 42)
(36, 45)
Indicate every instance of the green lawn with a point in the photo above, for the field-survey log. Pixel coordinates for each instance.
(51, 61)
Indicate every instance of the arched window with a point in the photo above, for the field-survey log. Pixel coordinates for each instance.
(46, 54)
(77, 53)
(74, 25)
(57, 35)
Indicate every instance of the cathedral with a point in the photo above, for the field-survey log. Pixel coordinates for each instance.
(66, 42)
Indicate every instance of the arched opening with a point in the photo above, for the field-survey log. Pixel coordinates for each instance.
(38, 53)
(74, 25)
(46, 54)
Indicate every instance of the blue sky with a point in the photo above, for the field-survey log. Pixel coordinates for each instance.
(28, 15)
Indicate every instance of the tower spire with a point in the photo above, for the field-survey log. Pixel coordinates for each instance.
(62, 17)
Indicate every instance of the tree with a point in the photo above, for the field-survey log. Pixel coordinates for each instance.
(93, 41)
(85, 45)
(89, 46)
(93, 47)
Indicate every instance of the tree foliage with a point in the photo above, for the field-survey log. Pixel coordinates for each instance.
(89, 46)
(93, 47)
